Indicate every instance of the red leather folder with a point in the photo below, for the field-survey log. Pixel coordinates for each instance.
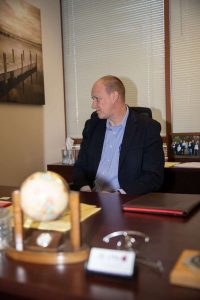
(163, 204)
(4, 203)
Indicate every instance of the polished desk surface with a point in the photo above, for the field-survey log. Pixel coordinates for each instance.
(169, 236)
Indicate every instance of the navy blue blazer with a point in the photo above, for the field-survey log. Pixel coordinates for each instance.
(141, 161)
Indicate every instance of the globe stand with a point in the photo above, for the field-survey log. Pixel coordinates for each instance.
(29, 250)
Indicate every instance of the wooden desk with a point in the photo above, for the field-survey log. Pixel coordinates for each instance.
(181, 180)
(6, 190)
(176, 180)
(169, 236)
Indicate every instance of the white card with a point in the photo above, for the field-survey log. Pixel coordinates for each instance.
(111, 262)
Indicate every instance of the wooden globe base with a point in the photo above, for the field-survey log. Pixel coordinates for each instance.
(49, 258)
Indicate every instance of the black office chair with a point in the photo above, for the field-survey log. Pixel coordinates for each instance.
(146, 111)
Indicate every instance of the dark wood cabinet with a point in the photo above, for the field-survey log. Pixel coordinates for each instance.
(64, 170)
(181, 180)
(176, 179)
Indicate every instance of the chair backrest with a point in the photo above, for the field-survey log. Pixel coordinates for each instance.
(139, 109)
(143, 110)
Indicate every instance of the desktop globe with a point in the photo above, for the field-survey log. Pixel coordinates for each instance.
(44, 196)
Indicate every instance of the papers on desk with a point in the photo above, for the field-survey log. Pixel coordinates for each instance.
(63, 223)
(169, 164)
(193, 164)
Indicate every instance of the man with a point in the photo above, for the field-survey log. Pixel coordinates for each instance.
(121, 150)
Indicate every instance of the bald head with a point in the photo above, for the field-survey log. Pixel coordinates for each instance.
(112, 84)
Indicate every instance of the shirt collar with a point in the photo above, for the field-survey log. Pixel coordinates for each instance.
(123, 123)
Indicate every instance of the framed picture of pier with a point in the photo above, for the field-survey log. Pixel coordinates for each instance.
(21, 65)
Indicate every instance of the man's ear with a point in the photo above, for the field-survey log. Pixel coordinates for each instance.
(115, 96)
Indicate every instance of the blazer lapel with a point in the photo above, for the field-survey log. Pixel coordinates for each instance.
(129, 133)
(99, 139)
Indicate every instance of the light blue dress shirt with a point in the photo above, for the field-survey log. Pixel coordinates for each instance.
(107, 173)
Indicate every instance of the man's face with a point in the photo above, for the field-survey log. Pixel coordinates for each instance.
(102, 102)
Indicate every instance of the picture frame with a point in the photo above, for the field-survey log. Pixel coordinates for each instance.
(186, 146)
(21, 61)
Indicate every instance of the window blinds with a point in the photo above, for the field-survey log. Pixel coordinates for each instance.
(185, 65)
(124, 38)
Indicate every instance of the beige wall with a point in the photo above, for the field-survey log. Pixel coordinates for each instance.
(33, 136)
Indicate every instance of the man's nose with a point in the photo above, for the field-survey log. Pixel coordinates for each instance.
(94, 104)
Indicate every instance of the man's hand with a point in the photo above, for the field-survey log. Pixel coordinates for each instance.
(85, 188)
